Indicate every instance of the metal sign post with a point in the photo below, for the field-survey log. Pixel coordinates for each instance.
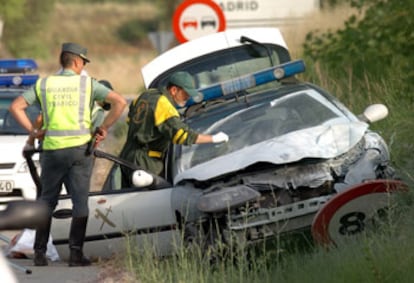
(161, 40)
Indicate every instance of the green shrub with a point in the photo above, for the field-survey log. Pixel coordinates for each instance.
(379, 38)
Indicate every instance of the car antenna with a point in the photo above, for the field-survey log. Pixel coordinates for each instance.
(244, 39)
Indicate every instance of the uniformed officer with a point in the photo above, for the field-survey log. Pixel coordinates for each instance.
(66, 100)
(154, 123)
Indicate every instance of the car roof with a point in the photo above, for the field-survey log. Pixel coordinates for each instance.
(206, 45)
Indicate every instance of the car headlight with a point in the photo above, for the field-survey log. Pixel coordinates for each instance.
(227, 198)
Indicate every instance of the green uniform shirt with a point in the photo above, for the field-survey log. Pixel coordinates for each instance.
(98, 116)
(154, 123)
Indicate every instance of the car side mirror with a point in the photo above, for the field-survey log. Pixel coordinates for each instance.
(374, 113)
(142, 179)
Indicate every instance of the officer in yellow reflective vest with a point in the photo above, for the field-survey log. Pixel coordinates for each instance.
(66, 100)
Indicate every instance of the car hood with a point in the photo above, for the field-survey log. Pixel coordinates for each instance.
(327, 141)
(11, 148)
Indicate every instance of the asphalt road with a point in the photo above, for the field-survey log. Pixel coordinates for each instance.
(55, 272)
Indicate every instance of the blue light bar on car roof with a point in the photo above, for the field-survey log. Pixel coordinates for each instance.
(17, 65)
(18, 80)
(245, 82)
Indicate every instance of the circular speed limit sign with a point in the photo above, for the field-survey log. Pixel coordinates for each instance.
(353, 211)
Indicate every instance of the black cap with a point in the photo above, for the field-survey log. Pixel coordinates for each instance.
(75, 49)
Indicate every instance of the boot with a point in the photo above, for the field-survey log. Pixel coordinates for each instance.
(40, 244)
(78, 259)
(76, 239)
(40, 259)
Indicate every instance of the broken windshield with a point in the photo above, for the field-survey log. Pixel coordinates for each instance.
(264, 121)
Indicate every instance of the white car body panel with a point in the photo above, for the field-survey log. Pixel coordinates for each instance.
(11, 152)
(146, 215)
(205, 45)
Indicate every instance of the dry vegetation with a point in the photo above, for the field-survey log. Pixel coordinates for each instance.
(95, 26)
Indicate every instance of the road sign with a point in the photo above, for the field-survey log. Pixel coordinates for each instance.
(354, 211)
(276, 13)
(196, 18)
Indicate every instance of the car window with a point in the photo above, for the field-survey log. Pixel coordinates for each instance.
(252, 125)
(227, 64)
(8, 125)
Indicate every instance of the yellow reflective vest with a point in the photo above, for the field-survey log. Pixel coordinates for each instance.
(66, 108)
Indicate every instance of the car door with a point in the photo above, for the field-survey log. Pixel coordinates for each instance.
(145, 216)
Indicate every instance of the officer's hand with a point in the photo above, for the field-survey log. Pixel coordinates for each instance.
(220, 137)
(26, 149)
(38, 134)
(100, 134)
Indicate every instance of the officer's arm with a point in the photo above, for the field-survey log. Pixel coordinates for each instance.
(118, 104)
(17, 108)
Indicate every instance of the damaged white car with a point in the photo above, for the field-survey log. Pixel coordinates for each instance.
(293, 149)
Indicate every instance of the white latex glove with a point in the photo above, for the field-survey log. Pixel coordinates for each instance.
(220, 137)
